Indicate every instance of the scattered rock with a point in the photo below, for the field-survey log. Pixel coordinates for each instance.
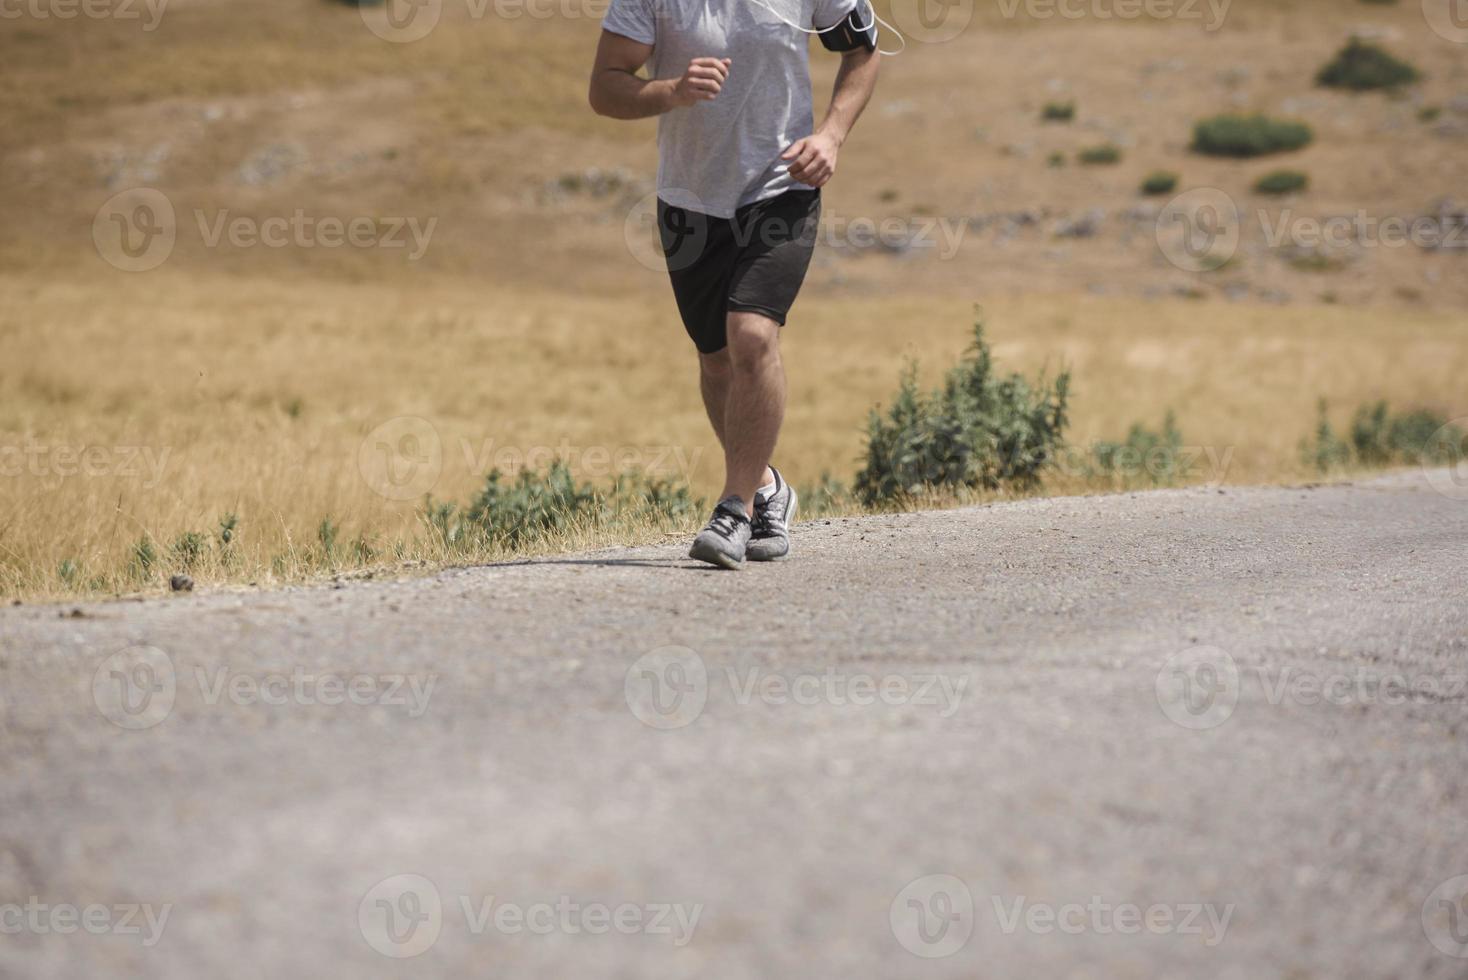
(269, 164)
(1086, 225)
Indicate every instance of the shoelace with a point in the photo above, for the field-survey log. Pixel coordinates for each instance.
(725, 520)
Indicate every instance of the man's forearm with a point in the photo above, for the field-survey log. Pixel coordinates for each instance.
(622, 95)
(856, 79)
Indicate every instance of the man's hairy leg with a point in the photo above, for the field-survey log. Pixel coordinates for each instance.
(754, 404)
(714, 373)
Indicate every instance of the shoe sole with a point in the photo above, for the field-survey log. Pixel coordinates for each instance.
(714, 556)
(753, 553)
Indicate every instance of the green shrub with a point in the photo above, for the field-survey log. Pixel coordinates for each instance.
(1161, 182)
(144, 557)
(1282, 182)
(1379, 438)
(1362, 67)
(1055, 160)
(829, 496)
(977, 431)
(1058, 112)
(531, 506)
(1106, 153)
(1157, 455)
(1327, 451)
(534, 505)
(188, 549)
(1429, 113)
(1248, 136)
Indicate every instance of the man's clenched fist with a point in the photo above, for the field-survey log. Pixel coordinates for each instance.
(813, 159)
(701, 81)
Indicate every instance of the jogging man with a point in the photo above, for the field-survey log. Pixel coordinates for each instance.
(740, 169)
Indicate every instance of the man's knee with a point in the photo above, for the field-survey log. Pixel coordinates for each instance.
(715, 366)
(754, 341)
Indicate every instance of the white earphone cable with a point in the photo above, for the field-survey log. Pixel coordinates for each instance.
(875, 20)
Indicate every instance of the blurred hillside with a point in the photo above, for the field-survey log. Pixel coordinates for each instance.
(262, 109)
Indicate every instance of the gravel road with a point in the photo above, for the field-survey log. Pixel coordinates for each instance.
(1183, 733)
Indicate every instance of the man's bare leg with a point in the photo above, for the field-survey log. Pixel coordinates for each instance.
(754, 404)
(714, 373)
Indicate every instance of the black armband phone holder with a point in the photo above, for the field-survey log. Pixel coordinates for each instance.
(851, 33)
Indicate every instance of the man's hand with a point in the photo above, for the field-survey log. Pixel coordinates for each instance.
(701, 81)
(813, 159)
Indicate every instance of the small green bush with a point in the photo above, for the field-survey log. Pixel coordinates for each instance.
(978, 431)
(829, 496)
(1055, 160)
(1379, 438)
(1282, 182)
(1327, 451)
(1362, 67)
(1248, 136)
(1101, 155)
(534, 505)
(1058, 112)
(1161, 182)
(188, 550)
(1156, 455)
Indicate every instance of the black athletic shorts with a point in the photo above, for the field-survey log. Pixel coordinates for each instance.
(754, 261)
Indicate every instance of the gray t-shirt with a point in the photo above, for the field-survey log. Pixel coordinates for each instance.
(716, 156)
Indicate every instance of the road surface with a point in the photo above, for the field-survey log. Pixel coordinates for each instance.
(1198, 732)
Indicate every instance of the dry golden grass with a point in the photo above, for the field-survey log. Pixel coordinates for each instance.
(255, 398)
(253, 375)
